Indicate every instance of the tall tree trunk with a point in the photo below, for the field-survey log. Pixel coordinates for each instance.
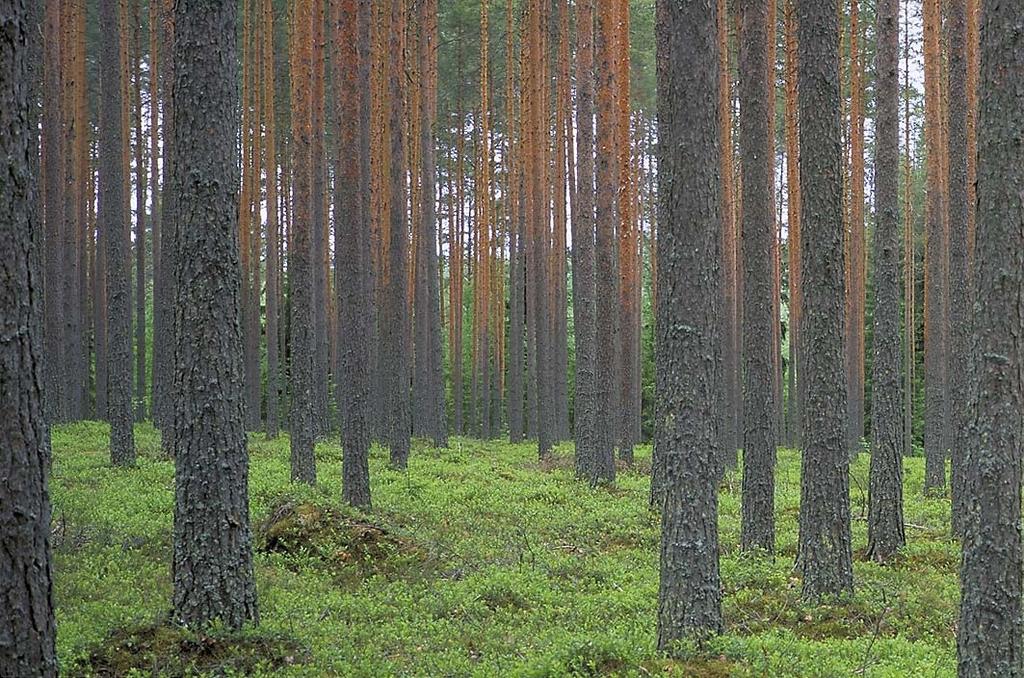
(885, 495)
(588, 466)
(795, 384)
(560, 185)
(909, 258)
(935, 259)
(273, 260)
(140, 223)
(732, 385)
(395, 334)
(318, 225)
(629, 317)
(856, 281)
(212, 566)
(352, 223)
(112, 218)
(825, 552)
(687, 344)
(607, 281)
(53, 198)
(300, 250)
(437, 427)
(961, 301)
(757, 234)
(163, 325)
(75, 126)
(27, 621)
(991, 615)
(516, 303)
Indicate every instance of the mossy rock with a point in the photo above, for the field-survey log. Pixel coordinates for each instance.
(170, 651)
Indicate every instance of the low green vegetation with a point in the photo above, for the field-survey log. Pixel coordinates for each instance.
(480, 561)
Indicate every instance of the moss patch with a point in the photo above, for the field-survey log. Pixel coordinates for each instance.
(350, 548)
(166, 650)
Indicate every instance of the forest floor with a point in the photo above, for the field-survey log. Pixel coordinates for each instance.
(478, 561)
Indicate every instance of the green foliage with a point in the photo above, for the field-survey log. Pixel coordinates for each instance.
(478, 561)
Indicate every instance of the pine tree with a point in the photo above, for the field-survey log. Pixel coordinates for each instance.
(607, 279)
(935, 258)
(731, 340)
(690, 593)
(795, 384)
(212, 564)
(273, 225)
(991, 641)
(757, 234)
(885, 491)
(583, 263)
(961, 301)
(352, 220)
(857, 259)
(517, 272)
(300, 249)
(112, 217)
(825, 552)
(141, 183)
(27, 620)
(53, 199)
(909, 258)
(394, 319)
(628, 249)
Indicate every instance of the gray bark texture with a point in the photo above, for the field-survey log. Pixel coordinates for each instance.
(606, 417)
(757, 234)
(27, 629)
(352, 222)
(825, 552)
(430, 420)
(53, 196)
(212, 565)
(300, 274)
(395, 339)
(686, 340)
(885, 484)
(112, 221)
(935, 355)
(516, 310)
(960, 297)
(991, 615)
(583, 264)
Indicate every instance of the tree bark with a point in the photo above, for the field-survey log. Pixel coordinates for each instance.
(352, 75)
(885, 486)
(583, 264)
(991, 638)
(935, 260)
(961, 302)
(606, 281)
(27, 628)
(757, 234)
(687, 341)
(140, 224)
(825, 552)
(273, 260)
(300, 251)
(395, 339)
(212, 566)
(112, 217)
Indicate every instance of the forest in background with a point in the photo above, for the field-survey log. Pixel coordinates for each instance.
(461, 184)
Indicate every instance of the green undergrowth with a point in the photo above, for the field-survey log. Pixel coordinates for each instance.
(478, 561)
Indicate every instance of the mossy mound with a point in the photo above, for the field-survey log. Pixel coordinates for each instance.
(170, 651)
(350, 548)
